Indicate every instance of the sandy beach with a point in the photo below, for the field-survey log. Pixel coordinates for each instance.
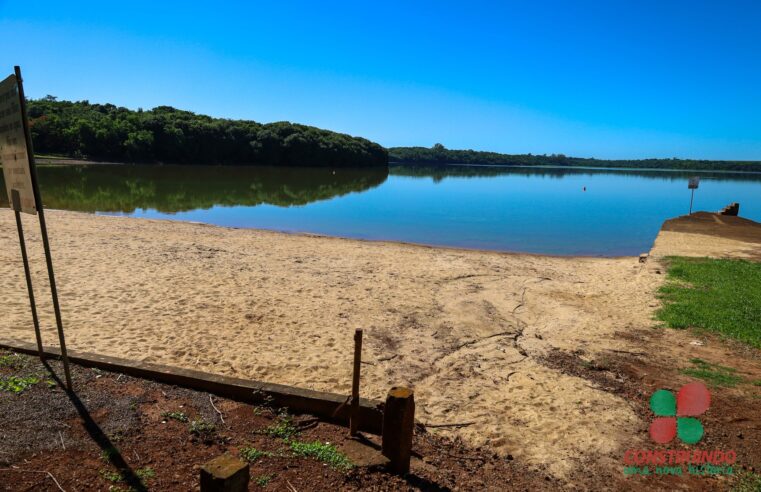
(470, 331)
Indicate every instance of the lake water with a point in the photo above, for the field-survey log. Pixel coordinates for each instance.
(538, 210)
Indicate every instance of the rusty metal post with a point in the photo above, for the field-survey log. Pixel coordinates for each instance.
(354, 417)
(398, 426)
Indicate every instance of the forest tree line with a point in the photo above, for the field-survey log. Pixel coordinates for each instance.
(167, 135)
(164, 134)
(438, 154)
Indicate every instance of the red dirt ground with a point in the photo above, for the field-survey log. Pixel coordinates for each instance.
(112, 435)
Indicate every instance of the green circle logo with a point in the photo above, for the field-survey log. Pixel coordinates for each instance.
(675, 414)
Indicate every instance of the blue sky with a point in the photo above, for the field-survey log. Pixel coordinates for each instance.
(611, 79)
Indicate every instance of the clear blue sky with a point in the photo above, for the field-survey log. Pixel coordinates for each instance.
(610, 79)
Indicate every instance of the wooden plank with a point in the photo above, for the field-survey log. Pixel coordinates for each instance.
(332, 407)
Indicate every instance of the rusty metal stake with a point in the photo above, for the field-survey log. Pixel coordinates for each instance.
(354, 417)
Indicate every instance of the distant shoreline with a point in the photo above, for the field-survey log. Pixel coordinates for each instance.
(569, 167)
(440, 155)
(69, 161)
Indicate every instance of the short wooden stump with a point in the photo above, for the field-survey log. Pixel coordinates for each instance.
(398, 427)
(224, 474)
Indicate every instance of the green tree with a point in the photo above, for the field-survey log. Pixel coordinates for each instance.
(168, 135)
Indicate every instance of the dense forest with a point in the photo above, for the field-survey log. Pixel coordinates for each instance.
(168, 135)
(438, 154)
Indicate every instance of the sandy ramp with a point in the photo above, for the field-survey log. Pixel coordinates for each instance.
(709, 234)
(467, 329)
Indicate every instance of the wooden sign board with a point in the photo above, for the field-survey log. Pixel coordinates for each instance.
(693, 184)
(13, 152)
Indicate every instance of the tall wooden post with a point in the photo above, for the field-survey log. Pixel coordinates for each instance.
(16, 203)
(354, 417)
(43, 227)
(398, 426)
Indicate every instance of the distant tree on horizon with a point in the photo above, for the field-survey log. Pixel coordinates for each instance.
(438, 155)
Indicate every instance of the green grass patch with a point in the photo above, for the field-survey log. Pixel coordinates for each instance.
(202, 428)
(721, 296)
(252, 454)
(142, 474)
(263, 480)
(324, 452)
(178, 416)
(713, 374)
(11, 361)
(284, 428)
(16, 384)
(108, 453)
(145, 474)
(111, 476)
(748, 482)
(756, 382)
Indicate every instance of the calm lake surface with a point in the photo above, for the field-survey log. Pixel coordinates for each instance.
(538, 210)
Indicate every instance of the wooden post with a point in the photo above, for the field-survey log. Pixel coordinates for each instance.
(16, 210)
(692, 197)
(43, 227)
(398, 426)
(225, 474)
(354, 417)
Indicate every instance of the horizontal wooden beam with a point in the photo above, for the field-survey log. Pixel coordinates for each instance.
(329, 406)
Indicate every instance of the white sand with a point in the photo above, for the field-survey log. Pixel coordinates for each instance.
(466, 329)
